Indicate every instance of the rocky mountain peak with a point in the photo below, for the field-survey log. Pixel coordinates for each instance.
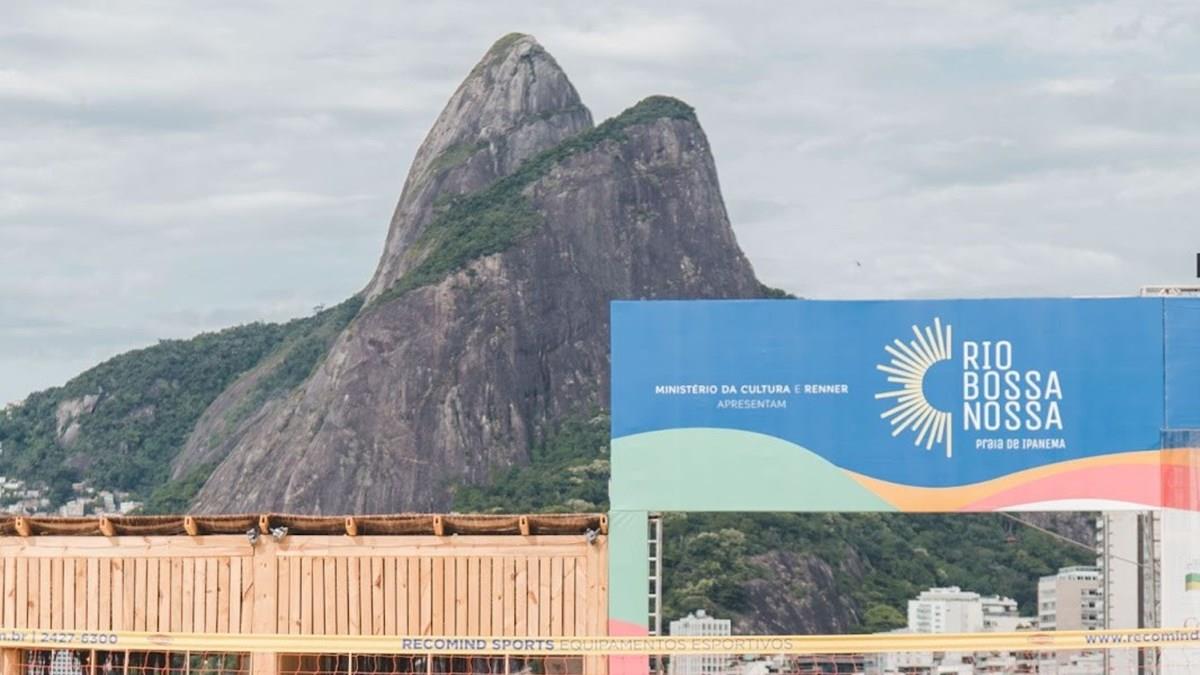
(515, 103)
(487, 320)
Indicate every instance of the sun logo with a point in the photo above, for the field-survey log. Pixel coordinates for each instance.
(907, 368)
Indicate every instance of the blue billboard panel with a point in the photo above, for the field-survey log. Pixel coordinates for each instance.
(894, 405)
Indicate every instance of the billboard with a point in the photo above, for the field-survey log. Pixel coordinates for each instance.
(953, 405)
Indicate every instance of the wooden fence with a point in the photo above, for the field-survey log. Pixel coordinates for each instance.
(489, 585)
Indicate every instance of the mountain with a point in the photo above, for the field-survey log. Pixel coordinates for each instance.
(487, 317)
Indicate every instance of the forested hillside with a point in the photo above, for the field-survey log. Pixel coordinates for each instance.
(119, 425)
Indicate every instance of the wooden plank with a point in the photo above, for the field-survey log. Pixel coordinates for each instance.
(533, 612)
(485, 596)
(342, 598)
(440, 570)
(498, 584)
(460, 597)
(544, 604)
(224, 591)
(318, 567)
(601, 548)
(212, 575)
(10, 594)
(473, 596)
(330, 592)
(164, 594)
(284, 614)
(118, 594)
(129, 611)
(10, 661)
(433, 547)
(391, 618)
(353, 597)
(44, 604)
(318, 595)
(426, 586)
(21, 611)
(5, 601)
(62, 547)
(188, 608)
(372, 618)
(90, 595)
(35, 593)
(556, 596)
(448, 575)
(294, 582)
(521, 594)
(199, 583)
(410, 596)
(306, 593)
(139, 594)
(152, 592)
(248, 594)
(568, 597)
(510, 597)
(81, 572)
(104, 601)
(175, 624)
(597, 588)
(235, 596)
(264, 614)
(62, 593)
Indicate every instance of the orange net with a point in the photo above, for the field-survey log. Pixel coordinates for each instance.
(420, 664)
(1145, 661)
(102, 662)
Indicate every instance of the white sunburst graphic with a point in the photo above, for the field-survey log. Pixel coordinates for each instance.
(907, 368)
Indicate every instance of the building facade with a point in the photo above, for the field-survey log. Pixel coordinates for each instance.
(699, 623)
(945, 610)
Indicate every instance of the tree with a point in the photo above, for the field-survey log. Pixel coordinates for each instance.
(882, 618)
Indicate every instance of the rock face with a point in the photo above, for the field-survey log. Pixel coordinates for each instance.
(516, 103)
(799, 595)
(487, 318)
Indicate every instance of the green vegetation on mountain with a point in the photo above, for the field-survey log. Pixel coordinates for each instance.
(568, 472)
(772, 293)
(146, 403)
(176, 496)
(492, 220)
(298, 356)
(709, 557)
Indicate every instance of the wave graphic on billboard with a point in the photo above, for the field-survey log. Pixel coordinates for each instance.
(913, 411)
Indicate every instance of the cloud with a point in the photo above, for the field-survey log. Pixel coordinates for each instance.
(172, 168)
(639, 37)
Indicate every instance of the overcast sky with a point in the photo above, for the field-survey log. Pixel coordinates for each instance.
(172, 168)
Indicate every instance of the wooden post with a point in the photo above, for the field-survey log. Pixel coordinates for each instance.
(106, 527)
(264, 524)
(24, 528)
(351, 526)
(10, 661)
(523, 523)
(190, 526)
(439, 526)
(264, 617)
